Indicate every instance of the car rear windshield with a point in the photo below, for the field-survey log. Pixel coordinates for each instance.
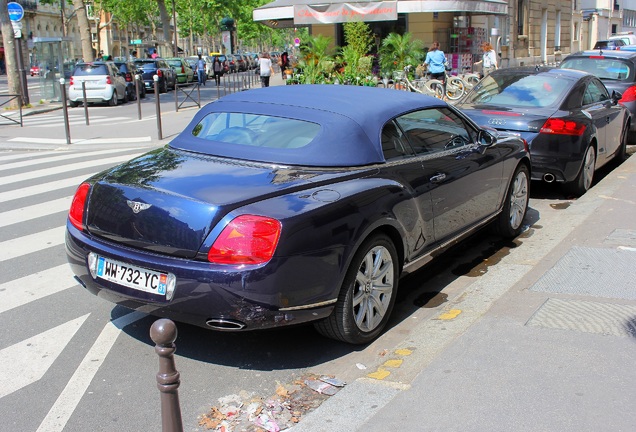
(520, 90)
(90, 70)
(146, 65)
(256, 130)
(605, 68)
(175, 63)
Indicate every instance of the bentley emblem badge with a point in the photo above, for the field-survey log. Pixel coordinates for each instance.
(138, 206)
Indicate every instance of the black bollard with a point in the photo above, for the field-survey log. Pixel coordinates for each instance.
(65, 108)
(155, 79)
(163, 333)
(85, 104)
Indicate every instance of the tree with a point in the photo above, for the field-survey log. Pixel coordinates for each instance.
(10, 58)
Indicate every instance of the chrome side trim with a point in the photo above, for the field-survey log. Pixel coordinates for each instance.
(325, 303)
(457, 238)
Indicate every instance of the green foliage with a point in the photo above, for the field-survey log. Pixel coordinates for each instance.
(358, 36)
(397, 51)
(316, 55)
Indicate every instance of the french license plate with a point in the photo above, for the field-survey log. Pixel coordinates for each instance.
(132, 276)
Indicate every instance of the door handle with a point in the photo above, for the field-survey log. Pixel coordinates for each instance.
(438, 178)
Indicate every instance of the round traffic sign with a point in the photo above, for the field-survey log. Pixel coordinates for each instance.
(16, 11)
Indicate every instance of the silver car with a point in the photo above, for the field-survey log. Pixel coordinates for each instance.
(102, 82)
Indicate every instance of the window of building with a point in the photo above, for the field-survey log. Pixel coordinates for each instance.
(557, 32)
(522, 17)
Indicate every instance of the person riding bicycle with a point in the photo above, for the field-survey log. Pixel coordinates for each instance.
(436, 62)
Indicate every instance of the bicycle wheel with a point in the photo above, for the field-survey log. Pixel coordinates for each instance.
(471, 80)
(455, 88)
(435, 88)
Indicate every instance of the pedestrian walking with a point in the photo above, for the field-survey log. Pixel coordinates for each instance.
(200, 70)
(217, 67)
(283, 62)
(266, 69)
(436, 62)
(489, 59)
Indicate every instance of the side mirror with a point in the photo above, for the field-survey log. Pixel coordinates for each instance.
(616, 96)
(486, 138)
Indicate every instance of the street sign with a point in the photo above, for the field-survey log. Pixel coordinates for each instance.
(17, 29)
(16, 11)
(297, 41)
(135, 41)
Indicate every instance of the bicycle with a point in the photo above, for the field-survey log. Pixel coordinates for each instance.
(425, 85)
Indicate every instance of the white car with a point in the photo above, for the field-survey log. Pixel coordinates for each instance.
(103, 84)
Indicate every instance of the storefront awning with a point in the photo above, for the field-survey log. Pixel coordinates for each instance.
(295, 13)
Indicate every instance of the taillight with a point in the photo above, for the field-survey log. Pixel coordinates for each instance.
(108, 80)
(629, 95)
(247, 239)
(159, 73)
(182, 69)
(76, 213)
(128, 77)
(562, 127)
(71, 81)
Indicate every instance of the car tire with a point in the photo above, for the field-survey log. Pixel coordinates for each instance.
(585, 177)
(113, 100)
(510, 221)
(126, 98)
(73, 104)
(163, 86)
(367, 295)
(631, 138)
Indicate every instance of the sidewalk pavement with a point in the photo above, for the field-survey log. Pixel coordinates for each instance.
(542, 341)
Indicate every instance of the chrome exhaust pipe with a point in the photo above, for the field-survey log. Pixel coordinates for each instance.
(548, 178)
(225, 324)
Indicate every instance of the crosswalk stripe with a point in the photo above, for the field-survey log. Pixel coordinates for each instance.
(78, 122)
(61, 411)
(134, 140)
(35, 286)
(27, 361)
(35, 211)
(31, 243)
(11, 156)
(42, 188)
(59, 157)
(17, 178)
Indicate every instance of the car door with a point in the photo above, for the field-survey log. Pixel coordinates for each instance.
(605, 115)
(465, 178)
(118, 80)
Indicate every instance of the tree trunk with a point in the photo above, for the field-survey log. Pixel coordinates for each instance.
(165, 23)
(10, 59)
(84, 30)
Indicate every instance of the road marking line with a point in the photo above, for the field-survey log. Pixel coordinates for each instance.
(72, 394)
(59, 157)
(27, 361)
(31, 243)
(35, 211)
(81, 141)
(78, 122)
(26, 154)
(35, 286)
(31, 175)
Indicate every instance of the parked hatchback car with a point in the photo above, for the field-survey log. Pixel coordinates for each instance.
(615, 69)
(572, 124)
(158, 66)
(128, 70)
(294, 204)
(102, 83)
(185, 72)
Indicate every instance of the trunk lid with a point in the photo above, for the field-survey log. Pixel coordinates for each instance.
(167, 201)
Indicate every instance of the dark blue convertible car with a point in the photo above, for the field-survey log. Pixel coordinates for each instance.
(291, 204)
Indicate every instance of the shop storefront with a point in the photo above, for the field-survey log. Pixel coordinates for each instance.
(461, 26)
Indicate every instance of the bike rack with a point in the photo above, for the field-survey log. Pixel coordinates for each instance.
(188, 95)
(10, 98)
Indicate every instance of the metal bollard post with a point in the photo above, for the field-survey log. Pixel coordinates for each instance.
(155, 79)
(176, 96)
(163, 333)
(65, 108)
(137, 78)
(85, 103)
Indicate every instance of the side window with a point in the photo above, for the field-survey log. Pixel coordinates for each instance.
(595, 93)
(435, 130)
(393, 145)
